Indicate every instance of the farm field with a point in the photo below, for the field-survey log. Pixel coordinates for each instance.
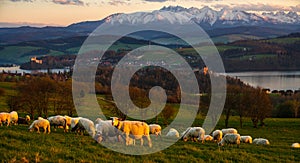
(17, 144)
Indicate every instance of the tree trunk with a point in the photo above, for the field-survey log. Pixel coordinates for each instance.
(254, 121)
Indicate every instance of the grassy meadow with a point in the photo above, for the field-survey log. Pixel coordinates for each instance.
(18, 144)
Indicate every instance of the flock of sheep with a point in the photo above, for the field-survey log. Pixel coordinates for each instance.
(117, 130)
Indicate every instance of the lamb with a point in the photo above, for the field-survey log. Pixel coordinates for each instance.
(261, 141)
(155, 129)
(217, 135)
(40, 123)
(57, 121)
(230, 139)
(14, 117)
(105, 131)
(208, 138)
(5, 118)
(25, 120)
(173, 133)
(136, 129)
(229, 131)
(193, 133)
(85, 124)
(246, 139)
(295, 145)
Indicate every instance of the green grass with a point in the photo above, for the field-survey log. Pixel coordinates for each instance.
(13, 53)
(284, 40)
(258, 56)
(57, 146)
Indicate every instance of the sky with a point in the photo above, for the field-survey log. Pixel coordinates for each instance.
(66, 12)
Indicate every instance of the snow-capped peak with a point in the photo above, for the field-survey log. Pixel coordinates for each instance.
(205, 15)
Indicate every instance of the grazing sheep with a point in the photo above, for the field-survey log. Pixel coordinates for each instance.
(155, 129)
(217, 135)
(4, 118)
(173, 133)
(136, 129)
(193, 133)
(40, 118)
(261, 141)
(105, 131)
(25, 120)
(57, 121)
(230, 139)
(246, 139)
(85, 124)
(40, 123)
(229, 131)
(295, 145)
(14, 117)
(208, 138)
(74, 122)
(68, 120)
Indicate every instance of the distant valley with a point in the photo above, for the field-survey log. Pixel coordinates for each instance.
(269, 40)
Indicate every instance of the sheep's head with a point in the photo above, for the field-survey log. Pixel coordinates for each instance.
(27, 118)
(220, 144)
(98, 138)
(115, 121)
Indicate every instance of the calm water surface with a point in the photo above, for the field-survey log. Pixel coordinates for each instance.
(274, 80)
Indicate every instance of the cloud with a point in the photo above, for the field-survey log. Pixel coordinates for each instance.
(156, 0)
(21, 0)
(118, 2)
(259, 7)
(69, 2)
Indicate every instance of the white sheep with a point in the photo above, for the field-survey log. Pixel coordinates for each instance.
(58, 121)
(68, 120)
(4, 118)
(230, 139)
(295, 145)
(155, 129)
(74, 122)
(40, 123)
(208, 138)
(14, 117)
(217, 135)
(246, 139)
(85, 124)
(105, 131)
(193, 133)
(135, 129)
(173, 133)
(229, 131)
(261, 141)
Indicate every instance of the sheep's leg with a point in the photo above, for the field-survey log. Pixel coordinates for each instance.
(149, 141)
(127, 139)
(38, 129)
(142, 141)
(45, 129)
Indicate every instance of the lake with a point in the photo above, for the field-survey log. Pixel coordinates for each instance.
(274, 80)
(18, 70)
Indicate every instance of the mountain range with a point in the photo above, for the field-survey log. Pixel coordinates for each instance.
(215, 23)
